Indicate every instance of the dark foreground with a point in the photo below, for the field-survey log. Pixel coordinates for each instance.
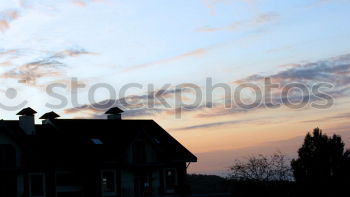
(215, 186)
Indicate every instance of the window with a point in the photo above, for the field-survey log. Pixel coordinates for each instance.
(108, 182)
(67, 179)
(37, 185)
(96, 141)
(7, 156)
(67, 183)
(156, 140)
(139, 152)
(170, 180)
(143, 183)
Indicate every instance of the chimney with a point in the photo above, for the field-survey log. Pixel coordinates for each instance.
(114, 113)
(26, 120)
(49, 116)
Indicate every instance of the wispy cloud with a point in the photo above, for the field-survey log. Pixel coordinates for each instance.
(51, 65)
(334, 70)
(83, 3)
(29, 73)
(194, 53)
(257, 21)
(134, 105)
(8, 52)
(79, 3)
(71, 53)
(5, 63)
(6, 17)
(232, 27)
(265, 18)
(211, 125)
(329, 118)
(210, 4)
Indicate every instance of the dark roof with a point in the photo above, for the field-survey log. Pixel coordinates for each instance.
(121, 133)
(114, 110)
(49, 115)
(27, 111)
(73, 138)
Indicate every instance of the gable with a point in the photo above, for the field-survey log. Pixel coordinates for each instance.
(141, 151)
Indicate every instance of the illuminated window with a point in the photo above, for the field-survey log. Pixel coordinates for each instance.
(108, 182)
(170, 180)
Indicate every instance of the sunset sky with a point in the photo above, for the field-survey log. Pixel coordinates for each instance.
(167, 43)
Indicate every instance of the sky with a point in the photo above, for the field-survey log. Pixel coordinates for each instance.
(79, 57)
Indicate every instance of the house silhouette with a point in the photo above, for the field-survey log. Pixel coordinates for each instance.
(90, 157)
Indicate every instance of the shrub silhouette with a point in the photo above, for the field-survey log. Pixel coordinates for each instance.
(262, 168)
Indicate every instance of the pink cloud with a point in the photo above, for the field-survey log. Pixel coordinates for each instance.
(197, 52)
(256, 21)
(6, 18)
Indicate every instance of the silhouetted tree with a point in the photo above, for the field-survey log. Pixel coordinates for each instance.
(262, 168)
(322, 161)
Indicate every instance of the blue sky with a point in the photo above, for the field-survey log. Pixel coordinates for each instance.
(263, 34)
(183, 41)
